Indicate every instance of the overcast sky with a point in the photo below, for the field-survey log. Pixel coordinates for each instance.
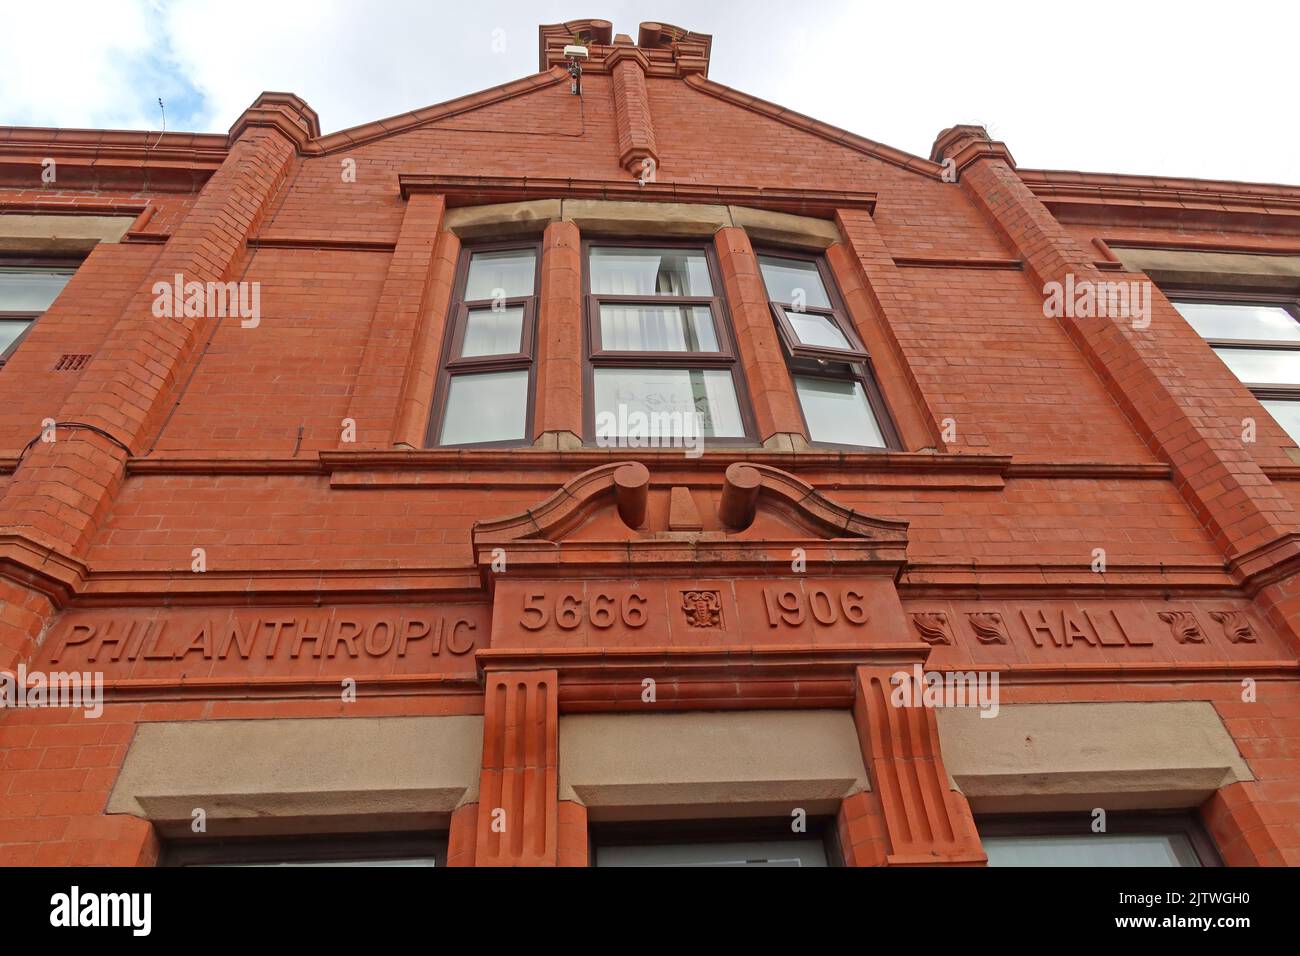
(1164, 88)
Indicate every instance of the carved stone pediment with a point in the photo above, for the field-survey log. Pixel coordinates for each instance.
(755, 517)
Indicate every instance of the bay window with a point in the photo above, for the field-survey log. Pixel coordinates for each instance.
(661, 357)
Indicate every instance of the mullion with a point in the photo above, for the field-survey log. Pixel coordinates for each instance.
(663, 359)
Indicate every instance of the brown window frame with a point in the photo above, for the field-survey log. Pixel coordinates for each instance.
(307, 848)
(719, 830)
(856, 352)
(1155, 822)
(452, 364)
(595, 356)
(837, 365)
(31, 317)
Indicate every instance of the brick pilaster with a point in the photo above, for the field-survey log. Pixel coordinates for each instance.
(636, 133)
(462, 835)
(63, 488)
(403, 301)
(926, 822)
(559, 337)
(860, 822)
(878, 298)
(572, 834)
(776, 408)
(518, 785)
(1248, 829)
(422, 366)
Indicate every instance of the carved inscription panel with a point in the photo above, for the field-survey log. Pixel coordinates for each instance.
(1096, 632)
(692, 612)
(239, 642)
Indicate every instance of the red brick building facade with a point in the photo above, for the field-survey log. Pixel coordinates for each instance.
(355, 555)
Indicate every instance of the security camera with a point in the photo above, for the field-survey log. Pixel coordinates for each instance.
(575, 51)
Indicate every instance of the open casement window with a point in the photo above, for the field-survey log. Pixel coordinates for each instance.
(662, 363)
(838, 395)
(485, 392)
(1160, 838)
(1258, 338)
(27, 288)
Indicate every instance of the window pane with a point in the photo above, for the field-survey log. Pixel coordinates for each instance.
(395, 861)
(505, 274)
(838, 412)
(487, 406)
(1240, 320)
(809, 852)
(1286, 414)
(1093, 849)
(10, 329)
(493, 332)
(663, 397)
(653, 328)
(620, 271)
(817, 330)
(794, 281)
(30, 289)
(1276, 366)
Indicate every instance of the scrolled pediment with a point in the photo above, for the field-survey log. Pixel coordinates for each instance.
(751, 515)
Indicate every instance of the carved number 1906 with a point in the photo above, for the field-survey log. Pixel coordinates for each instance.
(788, 606)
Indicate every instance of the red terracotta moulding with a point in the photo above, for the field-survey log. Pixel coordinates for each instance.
(481, 190)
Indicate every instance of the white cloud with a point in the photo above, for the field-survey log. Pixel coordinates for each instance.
(76, 64)
(1190, 89)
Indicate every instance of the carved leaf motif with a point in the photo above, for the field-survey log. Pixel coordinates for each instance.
(933, 627)
(988, 627)
(1185, 627)
(1236, 626)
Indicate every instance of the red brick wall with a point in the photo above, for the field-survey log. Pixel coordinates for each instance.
(967, 323)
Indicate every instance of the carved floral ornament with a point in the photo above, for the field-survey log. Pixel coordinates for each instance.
(1236, 626)
(987, 626)
(1089, 625)
(1187, 629)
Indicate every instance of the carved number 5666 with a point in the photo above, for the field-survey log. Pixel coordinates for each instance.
(567, 611)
